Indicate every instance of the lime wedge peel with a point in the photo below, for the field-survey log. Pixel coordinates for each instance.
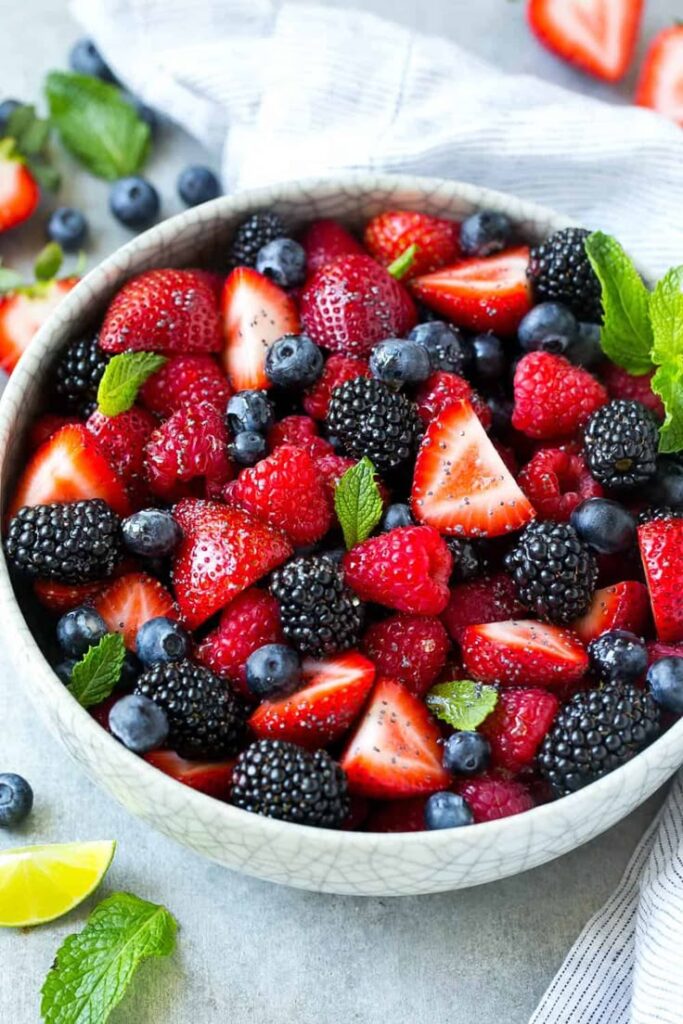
(41, 883)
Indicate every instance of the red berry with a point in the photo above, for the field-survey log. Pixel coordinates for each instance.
(185, 379)
(130, 601)
(620, 606)
(45, 426)
(491, 599)
(443, 389)
(556, 482)
(398, 816)
(191, 445)
(660, 84)
(599, 37)
(491, 797)
(621, 384)
(553, 399)
(522, 651)
(296, 430)
(211, 777)
(326, 240)
(337, 370)
(518, 724)
(410, 648)
(122, 440)
(389, 234)
(249, 622)
(661, 549)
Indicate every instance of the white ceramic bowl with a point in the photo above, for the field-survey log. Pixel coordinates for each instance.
(328, 861)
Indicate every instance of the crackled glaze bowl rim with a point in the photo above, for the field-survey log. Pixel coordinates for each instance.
(149, 248)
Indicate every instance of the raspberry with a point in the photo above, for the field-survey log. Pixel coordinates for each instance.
(332, 467)
(410, 648)
(553, 399)
(249, 622)
(122, 440)
(338, 369)
(621, 384)
(490, 797)
(516, 727)
(193, 443)
(556, 482)
(443, 389)
(185, 379)
(493, 599)
(296, 430)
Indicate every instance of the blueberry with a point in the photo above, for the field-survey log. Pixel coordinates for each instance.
(130, 670)
(138, 723)
(445, 345)
(548, 327)
(489, 357)
(197, 184)
(666, 487)
(336, 555)
(396, 361)
(618, 656)
(67, 227)
(466, 753)
(79, 629)
(64, 669)
(161, 640)
(247, 447)
(604, 525)
(134, 202)
(665, 679)
(395, 516)
(7, 108)
(585, 350)
(484, 233)
(283, 260)
(447, 810)
(273, 670)
(151, 533)
(16, 799)
(86, 59)
(294, 361)
(501, 413)
(249, 410)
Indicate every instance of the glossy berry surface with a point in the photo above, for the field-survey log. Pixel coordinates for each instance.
(447, 810)
(395, 516)
(548, 327)
(294, 361)
(138, 723)
(68, 228)
(134, 202)
(466, 753)
(489, 357)
(618, 655)
(249, 410)
(197, 184)
(485, 233)
(86, 59)
(444, 344)
(605, 525)
(273, 671)
(247, 447)
(396, 361)
(16, 799)
(159, 640)
(284, 261)
(665, 679)
(79, 629)
(151, 533)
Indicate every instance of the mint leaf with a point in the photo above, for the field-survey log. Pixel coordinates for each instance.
(666, 315)
(48, 262)
(47, 177)
(626, 335)
(357, 502)
(94, 677)
(96, 124)
(124, 376)
(94, 967)
(463, 704)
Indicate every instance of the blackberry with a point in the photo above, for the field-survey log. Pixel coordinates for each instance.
(206, 719)
(621, 442)
(71, 542)
(649, 515)
(555, 573)
(560, 271)
(368, 418)
(282, 780)
(252, 234)
(469, 559)
(596, 732)
(319, 613)
(78, 374)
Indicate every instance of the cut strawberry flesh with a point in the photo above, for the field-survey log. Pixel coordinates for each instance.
(130, 601)
(523, 653)
(661, 549)
(621, 606)
(211, 777)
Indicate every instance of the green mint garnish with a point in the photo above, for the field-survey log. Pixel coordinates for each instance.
(357, 502)
(96, 124)
(122, 379)
(48, 262)
(94, 967)
(402, 264)
(666, 315)
(94, 677)
(462, 703)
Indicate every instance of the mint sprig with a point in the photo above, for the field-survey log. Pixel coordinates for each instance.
(122, 379)
(94, 677)
(94, 967)
(358, 502)
(462, 703)
(48, 262)
(666, 315)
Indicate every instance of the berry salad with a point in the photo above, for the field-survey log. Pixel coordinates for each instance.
(377, 532)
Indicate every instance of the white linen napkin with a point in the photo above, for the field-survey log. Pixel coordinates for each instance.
(296, 91)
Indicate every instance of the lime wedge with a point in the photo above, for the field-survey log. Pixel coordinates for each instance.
(40, 883)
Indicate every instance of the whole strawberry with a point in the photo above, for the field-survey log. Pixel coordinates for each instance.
(327, 240)
(553, 399)
(389, 234)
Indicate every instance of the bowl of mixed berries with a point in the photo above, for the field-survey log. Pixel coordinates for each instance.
(342, 532)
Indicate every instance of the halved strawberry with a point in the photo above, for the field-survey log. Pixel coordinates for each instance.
(489, 599)
(19, 192)
(394, 751)
(130, 601)
(211, 777)
(490, 294)
(621, 606)
(45, 426)
(660, 85)
(523, 653)
(69, 467)
(23, 312)
(61, 597)
(332, 696)
(255, 314)
(661, 549)
(518, 724)
(326, 240)
(461, 485)
(598, 36)
(389, 234)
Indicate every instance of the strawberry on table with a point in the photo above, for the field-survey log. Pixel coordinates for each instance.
(598, 36)
(19, 192)
(517, 725)
(130, 601)
(249, 622)
(211, 777)
(620, 606)
(553, 398)
(389, 234)
(326, 240)
(409, 648)
(661, 549)
(522, 652)
(23, 312)
(660, 85)
(490, 599)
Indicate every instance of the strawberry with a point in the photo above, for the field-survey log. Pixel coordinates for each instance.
(223, 552)
(660, 85)
(122, 441)
(326, 240)
(523, 652)
(19, 192)
(661, 549)
(69, 467)
(407, 569)
(491, 599)
(193, 443)
(130, 601)
(351, 304)
(620, 606)
(337, 370)
(256, 312)
(598, 36)
(185, 380)
(61, 597)
(249, 622)
(45, 426)
(163, 311)
(553, 399)
(389, 234)
(621, 384)
(443, 389)
(517, 725)
(491, 796)
(556, 482)
(211, 777)
(461, 485)
(409, 648)
(398, 816)
(331, 698)
(24, 311)
(394, 751)
(490, 294)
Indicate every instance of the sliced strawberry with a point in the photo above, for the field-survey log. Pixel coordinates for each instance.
(326, 240)
(523, 652)
(130, 601)
(332, 696)
(398, 816)
(23, 313)
(598, 36)
(249, 622)
(518, 724)
(620, 606)
(211, 777)
(661, 549)
(490, 294)
(19, 192)
(45, 426)
(394, 751)
(61, 597)
(69, 467)
(461, 485)
(255, 314)
(389, 234)
(657, 650)
(660, 85)
(490, 599)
